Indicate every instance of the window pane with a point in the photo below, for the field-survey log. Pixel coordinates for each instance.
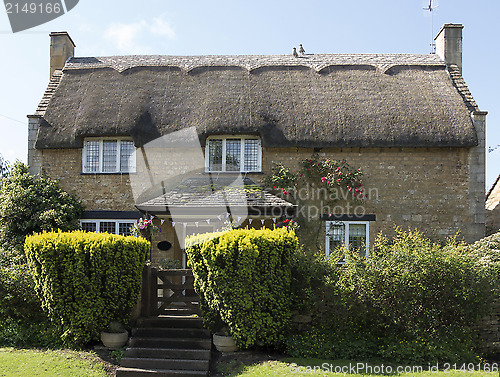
(92, 153)
(109, 149)
(337, 235)
(215, 155)
(233, 154)
(124, 228)
(107, 226)
(357, 237)
(126, 151)
(88, 226)
(251, 154)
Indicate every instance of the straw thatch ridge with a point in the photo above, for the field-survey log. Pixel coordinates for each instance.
(361, 100)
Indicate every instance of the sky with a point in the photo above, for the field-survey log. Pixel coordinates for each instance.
(232, 27)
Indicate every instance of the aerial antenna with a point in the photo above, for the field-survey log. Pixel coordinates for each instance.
(431, 7)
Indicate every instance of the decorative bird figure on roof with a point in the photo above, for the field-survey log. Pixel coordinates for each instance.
(294, 53)
(301, 49)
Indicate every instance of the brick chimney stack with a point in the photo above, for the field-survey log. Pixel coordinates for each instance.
(62, 48)
(449, 44)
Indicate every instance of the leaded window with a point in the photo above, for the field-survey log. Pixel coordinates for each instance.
(107, 155)
(350, 234)
(233, 154)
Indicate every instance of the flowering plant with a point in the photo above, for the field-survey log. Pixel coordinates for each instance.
(327, 173)
(333, 173)
(143, 226)
(289, 224)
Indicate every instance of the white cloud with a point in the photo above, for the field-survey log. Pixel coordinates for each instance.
(127, 37)
(161, 27)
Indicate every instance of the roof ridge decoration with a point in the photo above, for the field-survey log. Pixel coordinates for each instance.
(316, 62)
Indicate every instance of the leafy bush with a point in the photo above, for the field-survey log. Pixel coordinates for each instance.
(243, 279)
(411, 301)
(86, 280)
(33, 203)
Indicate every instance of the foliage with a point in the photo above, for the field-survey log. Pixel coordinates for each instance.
(86, 280)
(413, 301)
(289, 224)
(282, 178)
(324, 173)
(243, 279)
(143, 226)
(170, 264)
(30, 204)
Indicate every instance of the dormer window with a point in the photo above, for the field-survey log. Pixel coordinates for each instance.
(233, 154)
(108, 155)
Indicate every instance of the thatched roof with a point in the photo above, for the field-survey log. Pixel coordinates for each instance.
(360, 100)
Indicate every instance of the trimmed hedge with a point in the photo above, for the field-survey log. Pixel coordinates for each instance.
(243, 279)
(86, 280)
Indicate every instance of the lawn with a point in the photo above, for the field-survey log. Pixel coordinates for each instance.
(235, 367)
(60, 363)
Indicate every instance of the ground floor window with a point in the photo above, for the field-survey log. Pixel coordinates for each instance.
(121, 227)
(353, 234)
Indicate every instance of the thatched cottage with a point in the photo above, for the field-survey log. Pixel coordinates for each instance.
(111, 130)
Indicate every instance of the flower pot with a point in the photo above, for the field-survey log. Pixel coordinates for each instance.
(224, 343)
(114, 339)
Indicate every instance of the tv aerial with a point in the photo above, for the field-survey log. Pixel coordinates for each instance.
(431, 7)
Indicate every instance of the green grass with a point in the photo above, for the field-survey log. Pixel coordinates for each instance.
(62, 363)
(305, 367)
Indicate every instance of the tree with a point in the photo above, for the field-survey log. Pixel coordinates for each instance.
(33, 203)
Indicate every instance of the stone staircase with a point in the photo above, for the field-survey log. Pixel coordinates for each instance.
(167, 346)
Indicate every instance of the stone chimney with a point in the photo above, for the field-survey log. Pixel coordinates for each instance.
(62, 48)
(449, 44)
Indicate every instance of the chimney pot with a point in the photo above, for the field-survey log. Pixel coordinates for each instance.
(449, 44)
(62, 48)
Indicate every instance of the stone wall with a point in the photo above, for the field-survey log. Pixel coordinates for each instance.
(489, 333)
(428, 189)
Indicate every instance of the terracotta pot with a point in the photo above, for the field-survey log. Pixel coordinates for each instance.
(225, 343)
(114, 339)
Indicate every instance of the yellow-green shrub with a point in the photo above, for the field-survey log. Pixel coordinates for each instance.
(243, 279)
(85, 280)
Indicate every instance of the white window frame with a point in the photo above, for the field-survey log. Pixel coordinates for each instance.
(242, 153)
(132, 164)
(346, 235)
(117, 223)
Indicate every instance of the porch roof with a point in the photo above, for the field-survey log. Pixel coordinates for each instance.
(204, 195)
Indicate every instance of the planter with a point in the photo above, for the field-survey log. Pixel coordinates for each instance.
(225, 343)
(114, 339)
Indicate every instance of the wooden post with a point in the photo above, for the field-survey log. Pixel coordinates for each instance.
(146, 304)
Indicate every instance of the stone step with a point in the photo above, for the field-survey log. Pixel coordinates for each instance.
(157, 332)
(181, 312)
(138, 372)
(171, 322)
(168, 353)
(164, 364)
(191, 343)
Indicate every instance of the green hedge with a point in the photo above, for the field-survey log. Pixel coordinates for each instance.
(412, 301)
(86, 280)
(243, 278)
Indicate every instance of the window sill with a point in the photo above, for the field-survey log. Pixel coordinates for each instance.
(233, 172)
(114, 173)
